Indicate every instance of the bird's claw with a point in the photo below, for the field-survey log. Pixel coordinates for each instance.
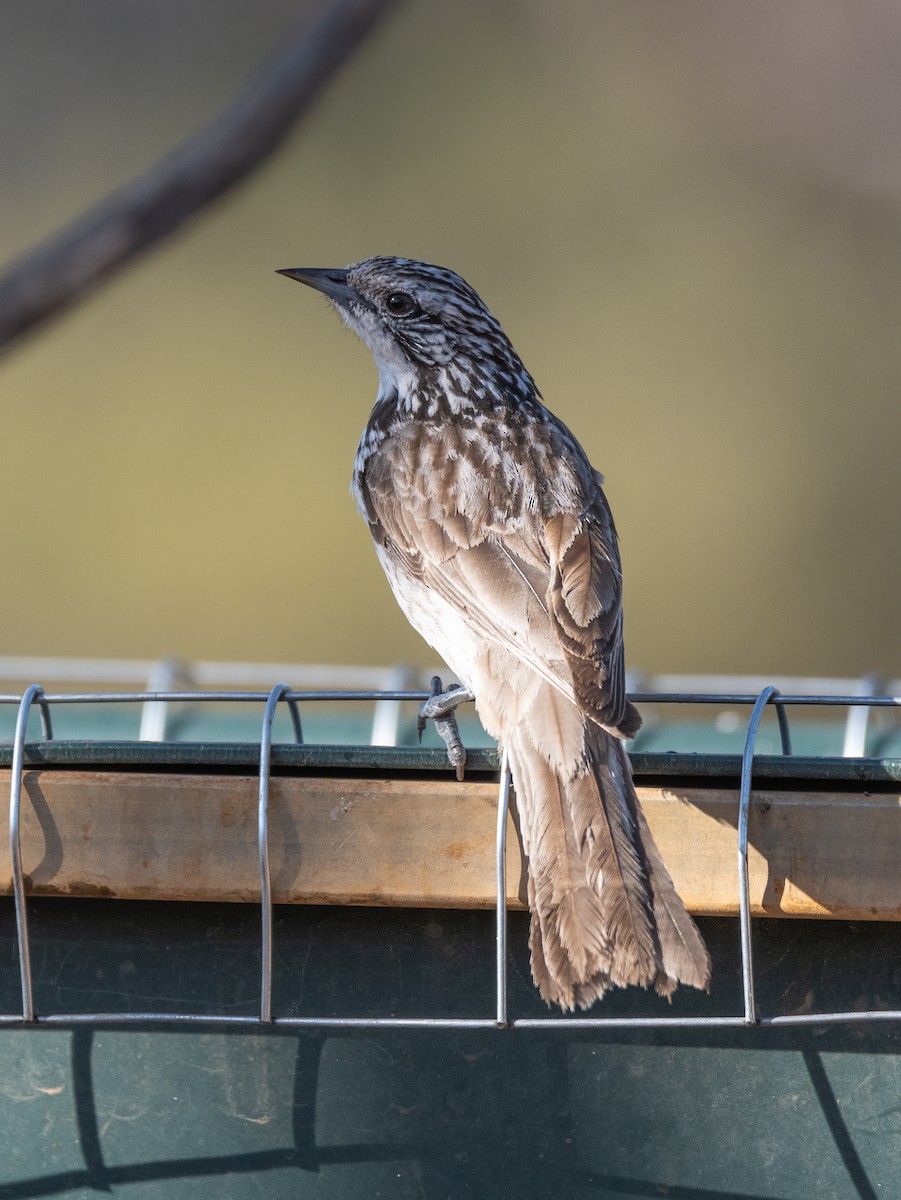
(439, 709)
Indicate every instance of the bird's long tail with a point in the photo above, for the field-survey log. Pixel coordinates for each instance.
(604, 910)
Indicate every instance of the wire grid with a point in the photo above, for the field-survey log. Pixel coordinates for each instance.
(282, 693)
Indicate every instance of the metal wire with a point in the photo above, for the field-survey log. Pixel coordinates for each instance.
(503, 804)
(30, 695)
(859, 718)
(176, 1018)
(744, 801)
(296, 724)
(769, 695)
(386, 717)
(278, 693)
(155, 714)
(741, 699)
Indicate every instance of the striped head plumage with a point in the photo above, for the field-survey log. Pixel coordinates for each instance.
(433, 339)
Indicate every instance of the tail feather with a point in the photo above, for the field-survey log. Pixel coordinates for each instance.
(604, 909)
(684, 957)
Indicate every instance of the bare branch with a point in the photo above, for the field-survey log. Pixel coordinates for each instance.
(61, 270)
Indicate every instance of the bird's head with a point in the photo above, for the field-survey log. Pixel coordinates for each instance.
(426, 327)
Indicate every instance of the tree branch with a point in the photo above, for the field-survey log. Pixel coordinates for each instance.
(61, 270)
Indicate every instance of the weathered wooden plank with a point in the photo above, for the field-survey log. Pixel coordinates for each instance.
(193, 837)
(429, 843)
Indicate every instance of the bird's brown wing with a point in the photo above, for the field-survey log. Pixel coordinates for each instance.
(525, 553)
(542, 584)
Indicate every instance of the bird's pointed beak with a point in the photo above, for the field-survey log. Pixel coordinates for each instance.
(332, 282)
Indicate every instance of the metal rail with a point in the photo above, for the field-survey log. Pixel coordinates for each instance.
(739, 699)
(282, 693)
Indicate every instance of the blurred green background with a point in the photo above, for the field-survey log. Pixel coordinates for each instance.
(687, 216)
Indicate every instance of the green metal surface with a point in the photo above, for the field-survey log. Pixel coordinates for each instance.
(234, 756)
(700, 1114)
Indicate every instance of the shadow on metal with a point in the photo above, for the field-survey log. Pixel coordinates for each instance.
(838, 1127)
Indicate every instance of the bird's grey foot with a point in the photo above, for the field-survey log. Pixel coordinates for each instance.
(439, 708)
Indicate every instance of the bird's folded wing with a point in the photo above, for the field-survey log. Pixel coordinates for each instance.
(545, 588)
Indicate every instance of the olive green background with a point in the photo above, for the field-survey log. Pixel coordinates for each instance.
(687, 216)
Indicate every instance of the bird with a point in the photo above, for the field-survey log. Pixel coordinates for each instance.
(498, 542)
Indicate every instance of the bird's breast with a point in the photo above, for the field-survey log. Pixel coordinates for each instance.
(478, 468)
(439, 623)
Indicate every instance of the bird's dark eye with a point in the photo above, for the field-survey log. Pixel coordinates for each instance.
(401, 304)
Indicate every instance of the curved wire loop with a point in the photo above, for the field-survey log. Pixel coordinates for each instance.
(34, 695)
(272, 703)
(44, 709)
(294, 710)
(31, 695)
(784, 732)
(503, 804)
(744, 801)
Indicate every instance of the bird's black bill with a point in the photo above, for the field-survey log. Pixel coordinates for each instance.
(331, 282)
